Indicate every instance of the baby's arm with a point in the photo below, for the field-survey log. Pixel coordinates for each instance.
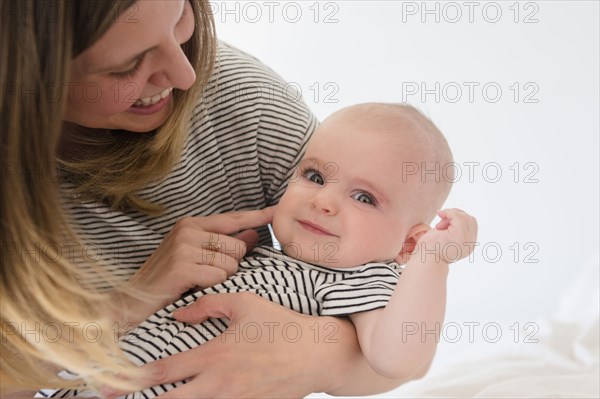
(399, 341)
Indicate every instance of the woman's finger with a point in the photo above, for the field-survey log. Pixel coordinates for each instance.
(233, 247)
(249, 237)
(204, 276)
(222, 261)
(214, 305)
(178, 367)
(190, 391)
(171, 369)
(233, 222)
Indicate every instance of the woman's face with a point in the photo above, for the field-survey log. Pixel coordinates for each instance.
(124, 80)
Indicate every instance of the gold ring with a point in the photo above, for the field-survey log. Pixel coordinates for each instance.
(210, 258)
(213, 242)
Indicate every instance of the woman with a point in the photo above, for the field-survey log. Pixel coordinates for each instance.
(147, 121)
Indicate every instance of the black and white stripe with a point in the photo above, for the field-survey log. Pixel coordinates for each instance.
(300, 286)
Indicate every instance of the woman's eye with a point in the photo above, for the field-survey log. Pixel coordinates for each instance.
(131, 72)
(313, 176)
(365, 198)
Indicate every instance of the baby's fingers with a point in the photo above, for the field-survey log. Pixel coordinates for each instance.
(447, 216)
(444, 223)
(460, 222)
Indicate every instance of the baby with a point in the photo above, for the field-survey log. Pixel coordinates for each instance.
(358, 207)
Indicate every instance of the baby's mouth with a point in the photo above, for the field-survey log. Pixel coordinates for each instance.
(146, 101)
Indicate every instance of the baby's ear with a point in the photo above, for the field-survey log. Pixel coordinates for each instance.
(410, 242)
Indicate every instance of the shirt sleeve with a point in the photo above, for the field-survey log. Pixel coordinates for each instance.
(252, 105)
(367, 289)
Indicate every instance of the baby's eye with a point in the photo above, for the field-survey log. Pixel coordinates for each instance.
(365, 198)
(313, 176)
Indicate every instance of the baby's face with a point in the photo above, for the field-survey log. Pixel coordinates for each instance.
(346, 204)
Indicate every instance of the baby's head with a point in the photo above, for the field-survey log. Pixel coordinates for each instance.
(371, 181)
(420, 157)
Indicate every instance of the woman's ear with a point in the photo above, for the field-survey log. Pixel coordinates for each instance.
(410, 242)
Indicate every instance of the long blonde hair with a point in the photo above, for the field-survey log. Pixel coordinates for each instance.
(47, 315)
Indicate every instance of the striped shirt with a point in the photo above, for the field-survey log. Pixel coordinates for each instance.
(300, 286)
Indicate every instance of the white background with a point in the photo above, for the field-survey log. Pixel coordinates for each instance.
(541, 134)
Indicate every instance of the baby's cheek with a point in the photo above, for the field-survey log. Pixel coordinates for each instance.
(380, 240)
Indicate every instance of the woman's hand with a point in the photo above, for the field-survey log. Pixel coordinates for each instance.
(197, 252)
(268, 351)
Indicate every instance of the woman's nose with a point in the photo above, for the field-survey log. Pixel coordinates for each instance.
(177, 71)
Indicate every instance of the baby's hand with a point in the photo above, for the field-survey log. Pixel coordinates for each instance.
(452, 238)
